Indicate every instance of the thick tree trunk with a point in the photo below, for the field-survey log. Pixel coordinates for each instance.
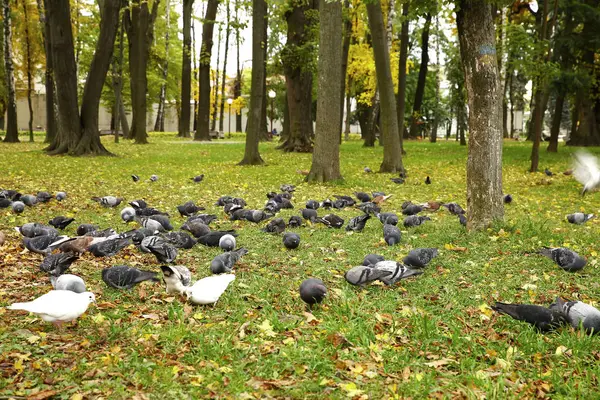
(326, 158)
(117, 80)
(237, 88)
(401, 104)
(28, 68)
(347, 35)
(202, 131)
(369, 135)
(348, 112)
(51, 118)
(392, 156)
(123, 118)
(215, 105)
(484, 163)
(12, 130)
(186, 71)
(420, 91)
(556, 118)
(224, 78)
(159, 125)
(259, 15)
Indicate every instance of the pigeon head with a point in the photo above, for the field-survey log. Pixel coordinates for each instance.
(90, 296)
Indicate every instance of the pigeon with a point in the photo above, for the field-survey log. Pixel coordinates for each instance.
(60, 222)
(398, 181)
(370, 208)
(230, 208)
(33, 229)
(389, 218)
(176, 278)
(412, 209)
(43, 197)
(223, 263)
(212, 239)
(361, 275)
(579, 218)
(372, 259)
(60, 196)
(507, 199)
(198, 178)
(86, 228)
(567, 259)
(135, 178)
(2, 238)
(326, 204)
(104, 233)
(68, 282)
(204, 218)
(151, 224)
(108, 201)
(309, 214)
(18, 207)
(362, 196)
(367, 170)
(380, 199)
(579, 314)
(454, 208)
(209, 289)
(286, 187)
(377, 194)
(196, 227)
(346, 201)
(312, 205)
(57, 306)
(239, 201)
(291, 240)
(428, 180)
(586, 171)
(357, 224)
(128, 214)
(138, 204)
(29, 200)
(542, 318)
(124, 277)
(227, 242)
(109, 247)
(148, 212)
(57, 264)
(391, 234)
(223, 200)
(5, 203)
(432, 205)
(257, 216)
(162, 250)
(462, 218)
(276, 225)
(419, 258)
(153, 178)
(331, 221)
(180, 239)
(188, 209)
(312, 291)
(548, 172)
(163, 220)
(78, 245)
(294, 222)
(397, 271)
(43, 244)
(415, 220)
(10, 194)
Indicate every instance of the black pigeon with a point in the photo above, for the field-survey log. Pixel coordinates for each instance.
(412, 209)
(135, 178)
(364, 274)
(548, 172)
(211, 239)
(454, 208)
(43, 244)
(57, 264)
(188, 209)
(544, 319)
(140, 234)
(579, 218)
(180, 239)
(239, 214)
(60, 222)
(419, 258)
(567, 259)
(331, 221)
(291, 240)
(108, 248)
(309, 214)
(391, 234)
(286, 187)
(507, 199)
(223, 200)
(462, 219)
(205, 218)
(196, 227)
(312, 291)
(44, 197)
(428, 180)
(349, 201)
(276, 225)
(198, 178)
(388, 218)
(294, 222)
(415, 220)
(326, 204)
(5, 203)
(138, 204)
(162, 250)
(124, 277)
(312, 204)
(223, 263)
(357, 224)
(163, 220)
(372, 259)
(370, 208)
(398, 181)
(85, 228)
(362, 196)
(148, 212)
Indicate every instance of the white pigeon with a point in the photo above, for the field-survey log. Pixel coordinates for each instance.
(177, 278)
(586, 171)
(210, 289)
(58, 306)
(68, 282)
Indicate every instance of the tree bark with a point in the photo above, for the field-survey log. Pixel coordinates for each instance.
(203, 125)
(159, 125)
(326, 159)
(186, 70)
(12, 130)
(51, 118)
(28, 68)
(348, 112)
(420, 91)
(556, 118)
(195, 58)
(224, 78)
(392, 157)
(437, 108)
(259, 14)
(215, 105)
(237, 88)
(117, 79)
(347, 35)
(401, 105)
(123, 118)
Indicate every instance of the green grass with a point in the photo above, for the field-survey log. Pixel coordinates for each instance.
(426, 337)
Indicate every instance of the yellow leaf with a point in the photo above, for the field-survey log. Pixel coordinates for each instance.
(351, 389)
(77, 396)
(560, 350)
(18, 365)
(266, 328)
(419, 377)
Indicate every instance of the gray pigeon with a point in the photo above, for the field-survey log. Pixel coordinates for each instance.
(369, 208)
(227, 242)
(60, 222)
(43, 244)
(276, 225)
(153, 178)
(86, 228)
(291, 240)
(357, 224)
(391, 234)
(567, 259)
(454, 208)
(57, 264)
(109, 247)
(124, 277)
(388, 218)
(361, 275)
(372, 259)
(542, 318)
(579, 218)
(108, 201)
(29, 200)
(128, 214)
(162, 250)
(312, 205)
(312, 291)
(286, 187)
(68, 282)
(309, 214)
(163, 220)
(188, 209)
(257, 216)
(462, 219)
(294, 222)
(367, 170)
(415, 220)
(396, 271)
(43, 197)
(18, 207)
(579, 314)
(331, 221)
(180, 239)
(152, 224)
(60, 196)
(33, 229)
(223, 263)
(204, 218)
(412, 209)
(212, 239)
(196, 227)
(419, 258)
(176, 278)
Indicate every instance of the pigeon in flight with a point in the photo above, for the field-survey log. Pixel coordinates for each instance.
(312, 291)
(542, 318)
(124, 277)
(68, 282)
(567, 259)
(176, 278)
(419, 258)
(209, 289)
(57, 306)
(586, 171)
(579, 314)
(579, 218)
(223, 263)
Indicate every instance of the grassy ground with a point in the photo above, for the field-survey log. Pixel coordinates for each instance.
(433, 336)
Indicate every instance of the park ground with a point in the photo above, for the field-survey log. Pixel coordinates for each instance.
(433, 336)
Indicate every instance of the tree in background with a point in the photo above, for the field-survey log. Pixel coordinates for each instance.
(12, 133)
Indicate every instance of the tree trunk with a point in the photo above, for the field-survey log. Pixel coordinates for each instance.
(186, 71)
(348, 112)
(484, 163)
(159, 125)
(237, 88)
(224, 78)
(449, 125)
(420, 91)
(51, 119)
(369, 135)
(392, 157)
(215, 105)
(286, 120)
(123, 118)
(117, 80)
(263, 132)
(347, 35)
(259, 14)
(436, 109)
(195, 58)
(28, 67)
(326, 158)
(140, 32)
(556, 118)
(202, 131)
(401, 106)
(12, 130)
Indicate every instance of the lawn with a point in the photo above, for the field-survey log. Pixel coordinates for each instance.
(430, 336)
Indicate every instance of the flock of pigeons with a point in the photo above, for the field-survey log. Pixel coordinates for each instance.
(156, 235)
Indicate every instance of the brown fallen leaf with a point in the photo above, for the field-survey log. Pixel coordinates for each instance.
(151, 316)
(44, 394)
(439, 363)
